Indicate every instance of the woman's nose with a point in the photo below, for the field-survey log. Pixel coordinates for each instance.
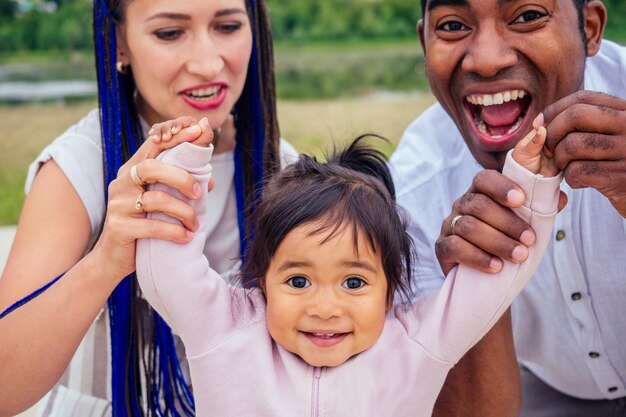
(205, 58)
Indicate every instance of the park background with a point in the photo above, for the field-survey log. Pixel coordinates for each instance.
(343, 67)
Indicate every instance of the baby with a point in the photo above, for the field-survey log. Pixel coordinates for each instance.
(320, 335)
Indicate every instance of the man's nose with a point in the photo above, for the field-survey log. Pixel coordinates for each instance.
(205, 58)
(490, 51)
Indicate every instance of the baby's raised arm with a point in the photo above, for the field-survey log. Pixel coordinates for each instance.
(176, 278)
(470, 302)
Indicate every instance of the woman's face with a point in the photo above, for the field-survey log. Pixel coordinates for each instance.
(188, 58)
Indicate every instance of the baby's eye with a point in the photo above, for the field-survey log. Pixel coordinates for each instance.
(298, 282)
(353, 283)
(168, 34)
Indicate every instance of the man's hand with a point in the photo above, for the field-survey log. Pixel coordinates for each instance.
(488, 230)
(587, 136)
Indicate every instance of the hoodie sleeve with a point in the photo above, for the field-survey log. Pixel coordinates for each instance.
(176, 278)
(452, 320)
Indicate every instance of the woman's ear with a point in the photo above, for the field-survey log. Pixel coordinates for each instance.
(595, 21)
(121, 47)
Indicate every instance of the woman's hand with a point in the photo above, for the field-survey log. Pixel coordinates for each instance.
(129, 202)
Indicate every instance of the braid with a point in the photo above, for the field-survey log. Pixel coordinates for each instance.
(132, 342)
(257, 153)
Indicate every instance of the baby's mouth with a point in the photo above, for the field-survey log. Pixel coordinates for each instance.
(500, 115)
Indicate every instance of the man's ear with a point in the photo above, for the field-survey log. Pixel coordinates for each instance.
(420, 33)
(595, 22)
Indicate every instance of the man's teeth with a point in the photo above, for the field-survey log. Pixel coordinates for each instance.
(204, 93)
(493, 99)
(482, 127)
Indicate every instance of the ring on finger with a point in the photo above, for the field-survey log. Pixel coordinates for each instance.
(136, 178)
(139, 202)
(453, 223)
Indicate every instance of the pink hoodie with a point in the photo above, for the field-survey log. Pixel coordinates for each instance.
(237, 369)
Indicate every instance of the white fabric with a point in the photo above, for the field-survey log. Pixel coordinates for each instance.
(554, 334)
(78, 152)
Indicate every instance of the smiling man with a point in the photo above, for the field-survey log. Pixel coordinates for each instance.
(496, 67)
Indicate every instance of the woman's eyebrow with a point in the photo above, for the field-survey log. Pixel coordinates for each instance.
(227, 12)
(169, 15)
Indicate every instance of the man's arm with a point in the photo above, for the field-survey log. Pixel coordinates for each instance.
(486, 381)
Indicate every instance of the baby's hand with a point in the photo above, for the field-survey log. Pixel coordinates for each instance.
(529, 153)
(187, 128)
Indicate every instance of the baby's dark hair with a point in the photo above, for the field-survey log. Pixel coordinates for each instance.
(353, 189)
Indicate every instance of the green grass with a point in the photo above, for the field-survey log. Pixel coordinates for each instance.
(311, 126)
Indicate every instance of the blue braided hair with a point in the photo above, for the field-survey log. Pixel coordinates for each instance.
(146, 374)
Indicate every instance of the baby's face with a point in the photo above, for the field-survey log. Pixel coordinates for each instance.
(325, 302)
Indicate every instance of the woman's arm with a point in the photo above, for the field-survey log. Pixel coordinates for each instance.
(39, 338)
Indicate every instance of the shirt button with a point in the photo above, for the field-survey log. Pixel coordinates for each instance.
(612, 389)
(594, 355)
(560, 235)
(576, 296)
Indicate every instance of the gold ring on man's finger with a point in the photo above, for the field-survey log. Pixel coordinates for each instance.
(139, 202)
(453, 223)
(136, 178)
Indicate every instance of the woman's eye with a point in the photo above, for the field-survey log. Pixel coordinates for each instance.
(168, 34)
(298, 282)
(353, 283)
(229, 27)
(529, 16)
(452, 26)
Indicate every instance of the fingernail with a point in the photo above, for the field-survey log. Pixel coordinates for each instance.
(520, 253)
(204, 124)
(197, 190)
(527, 238)
(538, 121)
(495, 264)
(154, 138)
(515, 197)
(175, 129)
(190, 234)
(151, 132)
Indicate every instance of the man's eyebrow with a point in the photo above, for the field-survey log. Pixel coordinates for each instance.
(432, 4)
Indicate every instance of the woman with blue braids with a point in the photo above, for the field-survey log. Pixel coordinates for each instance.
(87, 336)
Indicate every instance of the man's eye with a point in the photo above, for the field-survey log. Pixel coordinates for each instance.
(452, 26)
(529, 16)
(168, 34)
(353, 283)
(298, 282)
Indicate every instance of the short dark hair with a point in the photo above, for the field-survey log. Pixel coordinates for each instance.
(352, 189)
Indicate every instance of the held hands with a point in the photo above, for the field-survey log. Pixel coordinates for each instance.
(128, 201)
(482, 230)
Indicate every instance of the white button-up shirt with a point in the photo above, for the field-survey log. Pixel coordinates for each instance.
(570, 322)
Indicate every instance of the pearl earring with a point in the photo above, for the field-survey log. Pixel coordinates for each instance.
(119, 66)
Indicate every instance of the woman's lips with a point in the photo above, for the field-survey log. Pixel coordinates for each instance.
(205, 98)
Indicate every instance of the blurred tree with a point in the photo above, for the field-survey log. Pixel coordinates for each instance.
(7, 9)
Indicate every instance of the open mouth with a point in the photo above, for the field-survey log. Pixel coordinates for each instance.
(497, 117)
(204, 94)
(325, 339)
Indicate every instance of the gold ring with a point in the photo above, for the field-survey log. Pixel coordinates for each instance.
(453, 223)
(136, 178)
(138, 202)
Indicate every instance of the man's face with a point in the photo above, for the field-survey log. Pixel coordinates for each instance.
(494, 65)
